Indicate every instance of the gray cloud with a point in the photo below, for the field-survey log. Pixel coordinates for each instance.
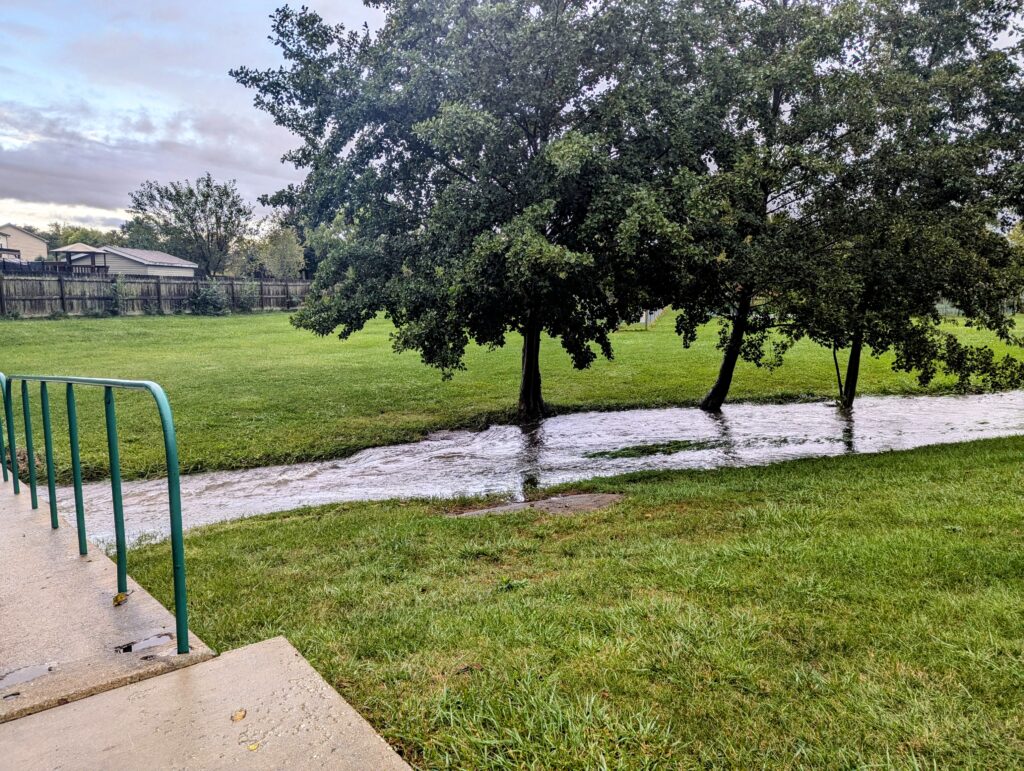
(152, 99)
(62, 163)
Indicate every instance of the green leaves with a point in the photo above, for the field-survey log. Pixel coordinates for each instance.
(797, 169)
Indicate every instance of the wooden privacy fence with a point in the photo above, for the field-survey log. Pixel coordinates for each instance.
(36, 296)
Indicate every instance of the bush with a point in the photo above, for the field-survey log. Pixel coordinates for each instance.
(208, 299)
(247, 297)
(119, 297)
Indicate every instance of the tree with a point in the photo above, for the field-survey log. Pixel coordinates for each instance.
(916, 213)
(276, 253)
(140, 233)
(732, 157)
(832, 160)
(454, 159)
(63, 234)
(200, 221)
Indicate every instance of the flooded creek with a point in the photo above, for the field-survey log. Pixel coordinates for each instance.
(567, 448)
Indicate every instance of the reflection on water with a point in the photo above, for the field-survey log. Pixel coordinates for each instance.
(504, 459)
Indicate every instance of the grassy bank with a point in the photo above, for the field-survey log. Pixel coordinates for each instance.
(859, 611)
(251, 390)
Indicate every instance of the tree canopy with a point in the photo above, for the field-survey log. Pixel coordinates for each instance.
(828, 169)
(454, 158)
(199, 221)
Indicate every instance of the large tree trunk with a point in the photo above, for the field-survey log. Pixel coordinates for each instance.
(720, 390)
(853, 369)
(531, 403)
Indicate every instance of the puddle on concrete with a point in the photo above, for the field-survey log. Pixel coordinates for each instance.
(26, 674)
(502, 459)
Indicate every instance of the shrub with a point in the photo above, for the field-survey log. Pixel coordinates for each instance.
(119, 297)
(247, 297)
(208, 299)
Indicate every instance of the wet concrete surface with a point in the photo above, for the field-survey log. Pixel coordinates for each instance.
(61, 636)
(258, 707)
(507, 459)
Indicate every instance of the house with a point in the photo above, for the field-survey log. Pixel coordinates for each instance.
(7, 254)
(30, 247)
(134, 262)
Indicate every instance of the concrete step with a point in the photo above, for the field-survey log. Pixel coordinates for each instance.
(61, 637)
(259, 707)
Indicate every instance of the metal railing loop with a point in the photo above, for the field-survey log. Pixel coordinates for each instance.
(9, 459)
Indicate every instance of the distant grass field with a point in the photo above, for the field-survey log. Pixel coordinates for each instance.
(856, 612)
(251, 390)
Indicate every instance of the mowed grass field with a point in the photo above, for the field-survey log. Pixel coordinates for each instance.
(856, 612)
(249, 391)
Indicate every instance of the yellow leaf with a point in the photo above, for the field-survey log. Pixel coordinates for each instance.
(120, 598)
(235, 717)
(254, 746)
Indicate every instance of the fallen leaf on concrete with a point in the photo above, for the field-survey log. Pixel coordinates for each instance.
(236, 716)
(254, 746)
(121, 598)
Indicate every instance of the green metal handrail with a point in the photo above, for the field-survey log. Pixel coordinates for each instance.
(170, 451)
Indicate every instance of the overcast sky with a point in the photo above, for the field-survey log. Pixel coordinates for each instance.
(99, 95)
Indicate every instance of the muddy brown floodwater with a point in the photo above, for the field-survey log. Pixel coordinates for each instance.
(505, 459)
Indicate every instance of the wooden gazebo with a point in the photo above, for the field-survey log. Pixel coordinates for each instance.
(97, 258)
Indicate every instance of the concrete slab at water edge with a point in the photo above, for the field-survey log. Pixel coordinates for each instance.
(61, 637)
(563, 506)
(257, 707)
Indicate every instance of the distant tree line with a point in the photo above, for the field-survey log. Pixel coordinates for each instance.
(205, 221)
(821, 169)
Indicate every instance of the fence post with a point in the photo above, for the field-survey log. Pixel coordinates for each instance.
(63, 302)
(3, 298)
(159, 296)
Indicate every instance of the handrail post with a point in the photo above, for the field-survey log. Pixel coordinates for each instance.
(30, 455)
(3, 445)
(115, 489)
(174, 500)
(76, 470)
(11, 449)
(51, 481)
(113, 450)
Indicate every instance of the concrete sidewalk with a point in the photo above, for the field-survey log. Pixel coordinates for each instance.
(258, 707)
(61, 638)
(136, 702)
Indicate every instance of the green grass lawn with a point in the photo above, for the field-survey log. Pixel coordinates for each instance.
(250, 390)
(852, 612)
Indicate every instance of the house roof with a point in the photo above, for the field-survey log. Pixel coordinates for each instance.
(150, 257)
(9, 226)
(78, 248)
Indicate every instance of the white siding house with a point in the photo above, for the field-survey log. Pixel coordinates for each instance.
(138, 262)
(29, 247)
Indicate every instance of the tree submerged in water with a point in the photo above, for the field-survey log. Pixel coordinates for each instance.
(455, 159)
